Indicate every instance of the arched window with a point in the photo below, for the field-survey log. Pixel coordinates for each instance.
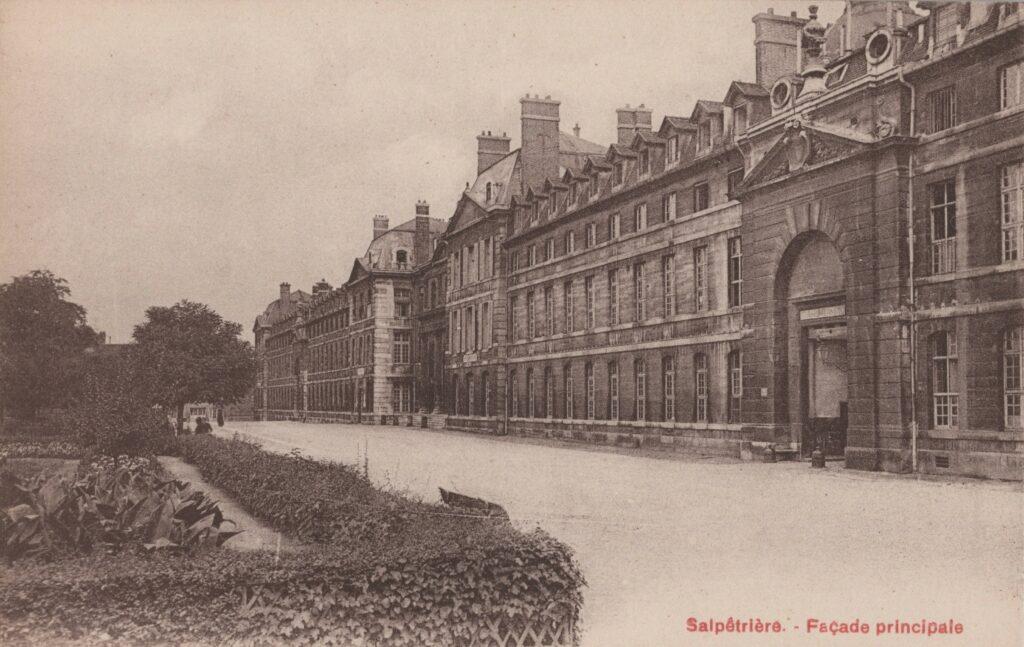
(1013, 377)
(640, 384)
(945, 391)
(700, 387)
(735, 385)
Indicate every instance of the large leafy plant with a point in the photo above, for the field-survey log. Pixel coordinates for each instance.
(113, 504)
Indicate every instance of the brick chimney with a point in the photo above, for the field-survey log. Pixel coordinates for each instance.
(380, 226)
(539, 152)
(632, 120)
(421, 247)
(489, 149)
(776, 45)
(285, 295)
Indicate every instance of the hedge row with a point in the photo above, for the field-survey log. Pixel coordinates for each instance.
(364, 597)
(39, 449)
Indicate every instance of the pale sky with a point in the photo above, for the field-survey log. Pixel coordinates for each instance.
(151, 152)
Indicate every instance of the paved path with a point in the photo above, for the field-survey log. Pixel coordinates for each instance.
(256, 536)
(664, 540)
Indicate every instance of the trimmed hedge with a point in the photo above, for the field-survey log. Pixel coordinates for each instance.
(372, 596)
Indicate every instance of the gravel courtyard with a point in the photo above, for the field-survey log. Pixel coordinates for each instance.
(661, 541)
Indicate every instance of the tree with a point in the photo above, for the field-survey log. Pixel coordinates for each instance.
(43, 337)
(188, 353)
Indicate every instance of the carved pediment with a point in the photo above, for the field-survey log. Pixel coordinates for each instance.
(800, 147)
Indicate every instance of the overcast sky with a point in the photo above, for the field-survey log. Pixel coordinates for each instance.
(154, 152)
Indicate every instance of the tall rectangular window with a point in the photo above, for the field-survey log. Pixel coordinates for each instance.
(733, 181)
(700, 387)
(668, 206)
(644, 162)
(613, 226)
(531, 402)
(531, 255)
(613, 297)
(594, 186)
(549, 310)
(591, 235)
(1011, 78)
(485, 324)
(613, 391)
(513, 328)
(700, 278)
(619, 173)
(549, 249)
(943, 226)
(588, 296)
(945, 394)
(1012, 208)
(1013, 377)
(735, 385)
(672, 150)
(640, 381)
(567, 380)
(668, 285)
(588, 375)
(570, 242)
(639, 295)
(513, 389)
(943, 108)
(735, 271)
(567, 306)
(402, 346)
(668, 380)
(549, 393)
(640, 217)
(531, 315)
(701, 196)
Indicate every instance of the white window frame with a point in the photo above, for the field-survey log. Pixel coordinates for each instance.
(639, 292)
(549, 309)
(735, 271)
(640, 216)
(700, 387)
(640, 382)
(943, 206)
(549, 393)
(588, 373)
(570, 242)
(614, 226)
(668, 284)
(588, 296)
(531, 399)
(569, 412)
(613, 296)
(1011, 205)
(567, 304)
(945, 381)
(1013, 377)
(531, 315)
(669, 205)
(700, 278)
(613, 391)
(668, 375)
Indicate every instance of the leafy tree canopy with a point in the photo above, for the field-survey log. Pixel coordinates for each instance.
(42, 340)
(190, 354)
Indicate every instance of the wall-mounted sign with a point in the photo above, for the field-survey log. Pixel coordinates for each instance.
(823, 312)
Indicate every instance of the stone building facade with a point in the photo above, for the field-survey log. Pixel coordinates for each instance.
(827, 257)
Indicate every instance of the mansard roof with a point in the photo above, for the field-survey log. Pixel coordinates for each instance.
(501, 177)
(646, 137)
(707, 107)
(618, 150)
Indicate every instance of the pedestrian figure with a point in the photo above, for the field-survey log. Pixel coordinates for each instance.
(203, 427)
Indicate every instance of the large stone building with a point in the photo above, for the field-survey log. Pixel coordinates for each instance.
(825, 257)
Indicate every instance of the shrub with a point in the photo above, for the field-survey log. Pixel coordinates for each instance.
(46, 449)
(367, 596)
(112, 504)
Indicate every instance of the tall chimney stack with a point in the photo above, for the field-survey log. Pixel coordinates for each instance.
(285, 295)
(776, 40)
(630, 121)
(421, 238)
(380, 226)
(539, 152)
(489, 149)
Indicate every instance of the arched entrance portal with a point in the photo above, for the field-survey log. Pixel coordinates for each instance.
(810, 318)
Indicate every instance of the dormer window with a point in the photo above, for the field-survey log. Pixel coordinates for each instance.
(594, 185)
(402, 258)
(672, 150)
(536, 212)
(488, 198)
(645, 162)
(620, 174)
(739, 121)
(573, 192)
(704, 136)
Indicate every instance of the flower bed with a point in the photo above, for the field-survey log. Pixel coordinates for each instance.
(39, 449)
